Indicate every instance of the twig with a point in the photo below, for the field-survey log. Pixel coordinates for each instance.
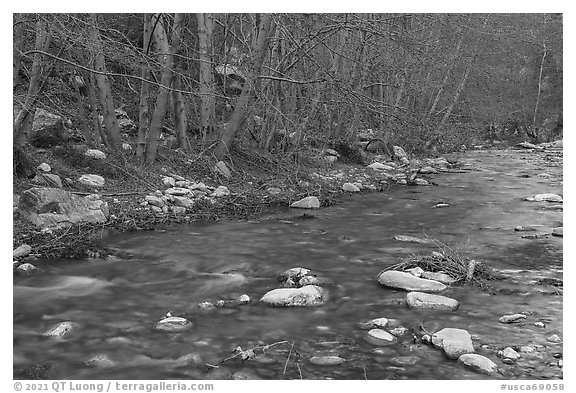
(287, 359)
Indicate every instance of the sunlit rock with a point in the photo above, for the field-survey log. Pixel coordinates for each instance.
(309, 295)
(21, 251)
(427, 301)
(411, 239)
(379, 337)
(408, 282)
(310, 202)
(478, 363)
(454, 342)
(508, 353)
(349, 187)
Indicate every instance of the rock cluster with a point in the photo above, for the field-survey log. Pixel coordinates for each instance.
(298, 288)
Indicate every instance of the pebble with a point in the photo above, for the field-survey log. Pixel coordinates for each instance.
(379, 337)
(554, 338)
(508, 353)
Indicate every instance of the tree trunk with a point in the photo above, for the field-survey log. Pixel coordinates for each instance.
(167, 56)
(456, 97)
(23, 121)
(82, 112)
(446, 76)
(19, 39)
(99, 135)
(179, 109)
(258, 54)
(143, 110)
(207, 101)
(106, 100)
(539, 89)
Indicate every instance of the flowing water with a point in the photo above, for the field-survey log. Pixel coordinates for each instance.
(115, 303)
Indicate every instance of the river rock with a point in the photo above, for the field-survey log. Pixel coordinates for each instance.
(44, 167)
(327, 360)
(96, 154)
(310, 202)
(349, 187)
(61, 329)
(454, 342)
(558, 232)
(512, 318)
(221, 191)
(426, 301)
(379, 323)
(177, 191)
(438, 276)
(100, 360)
(53, 207)
(525, 228)
(154, 201)
(310, 295)
(508, 353)
(378, 166)
(92, 180)
(544, 198)
(554, 338)
(478, 363)
(408, 282)
(26, 269)
(222, 169)
(21, 251)
(183, 202)
(410, 239)
(379, 337)
(173, 324)
(294, 274)
(178, 209)
(169, 181)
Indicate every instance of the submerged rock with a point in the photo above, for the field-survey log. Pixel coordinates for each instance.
(379, 323)
(327, 360)
(426, 301)
(309, 295)
(454, 342)
(173, 324)
(61, 329)
(408, 282)
(478, 363)
(310, 202)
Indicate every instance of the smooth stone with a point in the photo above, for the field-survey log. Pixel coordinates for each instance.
(410, 239)
(177, 191)
(310, 202)
(327, 360)
(21, 251)
(547, 197)
(512, 318)
(173, 324)
(26, 269)
(92, 180)
(408, 282)
(426, 301)
(478, 363)
(310, 295)
(379, 323)
(350, 187)
(438, 276)
(558, 232)
(380, 337)
(508, 353)
(554, 338)
(96, 154)
(454, 342)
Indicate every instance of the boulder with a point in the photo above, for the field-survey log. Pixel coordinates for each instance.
(96, 154)
(379, 337)
(426, 301)
(454, 342)
(310, 202)
(547, 197)
(222, 169)
(92, 180)
(47, 129)
(512, 318)
(21, 251)
(173, 324)
(47, 179)
(478, 363)
(327, 360)
(53, 207)
(408, 282)
(309, 295)
(350, 187)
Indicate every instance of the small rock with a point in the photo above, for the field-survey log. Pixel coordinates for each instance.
(221, 191)
(554, 338)
(205, 306)
(154, 201)
(441, 204)
(60, 330)
(513, 318)
(478, 363)
(173, 324)
(96, 154)
(558, 232)
(310, 295)
(310, 202)
(26, 269)
(454, 342)
(377, 166)
(379, 337)
(244, 299)
(508, 353)
(421, 182)
(426, 301)
(327, 360)
(544, 198)
(100, 360)
(539, 324)
(44, 167)
(408, 282)
(177, 191)
(92, 180)
(527, 228)
(349, 187)
(169, 181)
(222, 169)
(21, 251)
(410, 239)
(178, 210)
(330, 159)
(398, 331)
(416, 271)
(379, 323)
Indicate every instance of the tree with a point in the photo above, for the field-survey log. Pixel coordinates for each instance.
(207, 108)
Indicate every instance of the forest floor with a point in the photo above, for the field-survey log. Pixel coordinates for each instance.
(128, 182)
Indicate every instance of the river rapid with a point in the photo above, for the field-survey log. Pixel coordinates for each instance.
(115, 303)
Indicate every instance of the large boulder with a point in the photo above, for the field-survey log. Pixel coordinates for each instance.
(47, 129)
(309, 295)
(53, 207)
(454, 342)
(427, 301)
(408, 282)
